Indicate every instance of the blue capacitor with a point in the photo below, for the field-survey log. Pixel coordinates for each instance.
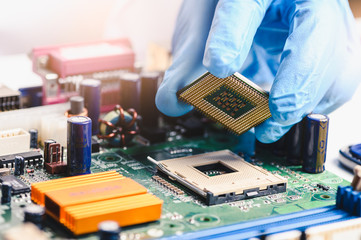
(90, 89)
(79, 145)
(5, 192)
(34, 214)
(109, 230)
(315, 143)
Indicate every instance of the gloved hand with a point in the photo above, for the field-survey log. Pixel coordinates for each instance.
(308, 50)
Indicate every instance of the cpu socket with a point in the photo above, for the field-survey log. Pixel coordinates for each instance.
(222, 176)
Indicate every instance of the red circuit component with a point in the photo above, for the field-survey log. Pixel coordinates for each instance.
(55, 164)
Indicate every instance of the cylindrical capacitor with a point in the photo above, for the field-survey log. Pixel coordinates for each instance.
(129, 85)
(35, 215)
(33, 138)
(109, 230)
(279, 147)
(79, 145)
(90, 90)
(148, 90)
(315, 143)
(19, 166)
(76, 107)
(294, 142)
(46, 149)
(5, 192)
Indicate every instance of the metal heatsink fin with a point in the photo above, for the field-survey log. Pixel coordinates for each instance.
(235, 102)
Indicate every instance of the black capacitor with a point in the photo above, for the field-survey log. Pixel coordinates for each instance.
(76, 105)
(90, 89)
(46, 149)
(33, 138)
(315, 143)
(34, 214)
(294, 144)
(109, 230)
(148, 89)
(129, 93)
(5, 192)
(279, 147)
(95, 144)
(19, 166)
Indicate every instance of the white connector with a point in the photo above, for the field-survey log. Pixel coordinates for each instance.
(49, 120)
(14, 141)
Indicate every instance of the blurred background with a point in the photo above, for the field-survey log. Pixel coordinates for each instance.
(28, 24)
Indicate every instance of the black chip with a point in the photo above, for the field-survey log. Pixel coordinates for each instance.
(17, 185)
(31, 158)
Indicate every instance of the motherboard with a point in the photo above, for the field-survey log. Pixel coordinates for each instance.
(183, 211)
(87, 155)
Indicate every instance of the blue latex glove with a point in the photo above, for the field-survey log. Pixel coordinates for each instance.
(307, 50)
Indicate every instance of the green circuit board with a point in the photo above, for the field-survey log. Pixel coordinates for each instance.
(186, 212)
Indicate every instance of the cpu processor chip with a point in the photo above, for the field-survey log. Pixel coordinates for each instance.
(222, 176)
(235, 102)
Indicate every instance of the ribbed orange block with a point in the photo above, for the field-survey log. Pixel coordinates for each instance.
(57, 201)
(38, 190)
(81, 219)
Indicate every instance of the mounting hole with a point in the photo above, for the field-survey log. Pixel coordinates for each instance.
(206, 218)
(109, 157)
(325, 197)
(172, 225)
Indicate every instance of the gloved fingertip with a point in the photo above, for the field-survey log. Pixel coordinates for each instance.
(167, 102)
(270, 131)
(264, 137)
(215, 63)
(287, 110)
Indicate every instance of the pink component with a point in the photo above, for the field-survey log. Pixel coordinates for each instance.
(78, 59)
(73, 59)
